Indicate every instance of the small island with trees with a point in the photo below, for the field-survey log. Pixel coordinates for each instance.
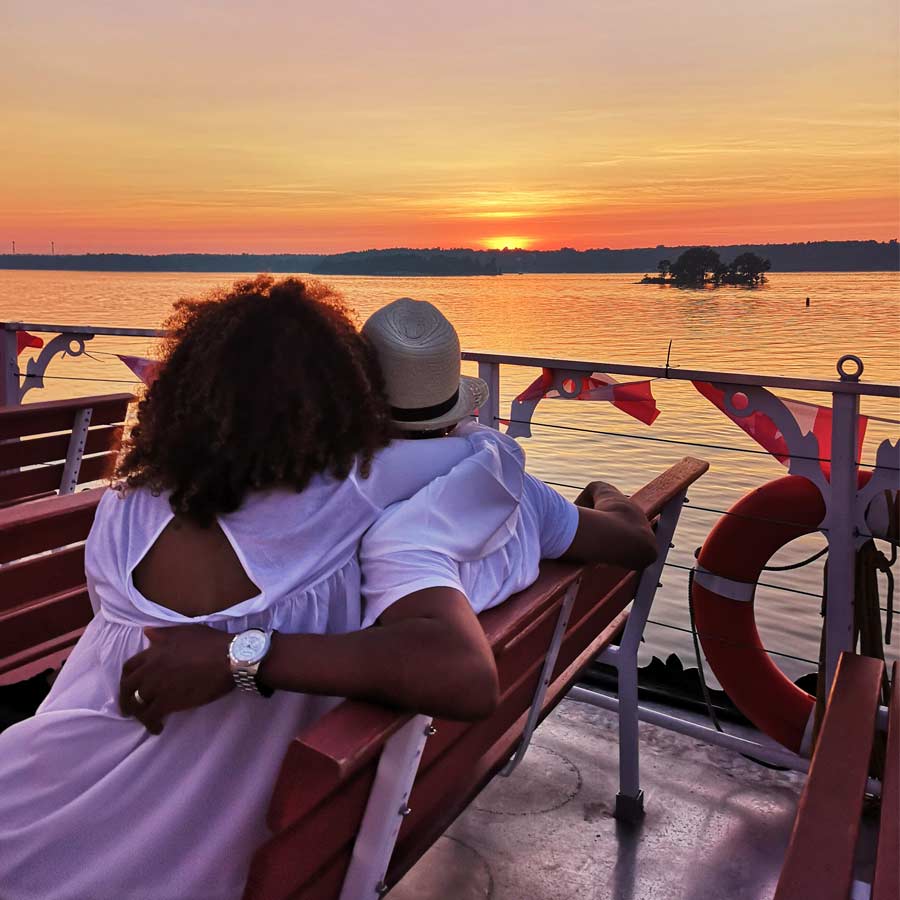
(702, 266)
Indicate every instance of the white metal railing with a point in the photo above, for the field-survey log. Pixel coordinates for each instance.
(845, 524)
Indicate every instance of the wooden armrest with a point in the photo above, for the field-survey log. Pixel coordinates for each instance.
(656, 494)
(819, 860)
(887, 861)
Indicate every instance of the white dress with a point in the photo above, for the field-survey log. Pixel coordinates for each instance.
(93, 807)
(425, 542)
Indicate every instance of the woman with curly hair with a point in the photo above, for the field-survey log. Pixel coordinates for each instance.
(259, 457)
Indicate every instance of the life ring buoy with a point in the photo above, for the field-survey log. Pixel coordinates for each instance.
(728, 568)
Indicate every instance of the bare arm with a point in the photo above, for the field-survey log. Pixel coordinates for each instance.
(611, 529)
(429, 654)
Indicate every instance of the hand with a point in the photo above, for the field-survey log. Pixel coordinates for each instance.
(596, 493)
(185, 666)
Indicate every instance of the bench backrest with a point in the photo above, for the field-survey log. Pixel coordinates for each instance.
(823, 847)
(321, 793)
(44, 603)
(53, 446)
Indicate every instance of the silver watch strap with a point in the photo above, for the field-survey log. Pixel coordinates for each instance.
(245, 681)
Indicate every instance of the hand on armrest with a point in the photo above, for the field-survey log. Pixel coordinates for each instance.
(611, 529)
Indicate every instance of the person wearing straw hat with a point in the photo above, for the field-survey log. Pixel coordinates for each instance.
(419, 354)
(484, 538)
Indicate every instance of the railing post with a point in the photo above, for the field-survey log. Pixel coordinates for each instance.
(9, 380)
(841, 520)
(490, 412)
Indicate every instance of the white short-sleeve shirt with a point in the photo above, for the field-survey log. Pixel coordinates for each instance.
(403, 552)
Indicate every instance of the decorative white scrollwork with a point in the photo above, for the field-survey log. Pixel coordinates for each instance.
(742, 401)
(805, 455)
(566, 382)
(67, 344)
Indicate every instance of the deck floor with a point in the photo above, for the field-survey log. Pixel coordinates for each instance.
(716, 824)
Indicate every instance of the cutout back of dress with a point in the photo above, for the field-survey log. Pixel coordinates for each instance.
(193, 571)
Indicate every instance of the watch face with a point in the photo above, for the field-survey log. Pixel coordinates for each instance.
(249, 646)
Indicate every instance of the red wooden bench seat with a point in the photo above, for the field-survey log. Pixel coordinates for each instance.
(55, 445)
(820, 857)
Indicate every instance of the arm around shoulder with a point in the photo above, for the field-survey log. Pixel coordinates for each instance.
(429, 654)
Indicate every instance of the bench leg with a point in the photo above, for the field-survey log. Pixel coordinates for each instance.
(537, 702)
(630, 799)
(385, 810)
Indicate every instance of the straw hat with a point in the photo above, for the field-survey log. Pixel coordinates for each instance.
(418, 350)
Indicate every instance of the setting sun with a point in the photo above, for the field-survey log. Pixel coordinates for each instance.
(507, 243)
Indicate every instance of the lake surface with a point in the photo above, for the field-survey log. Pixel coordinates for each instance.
(609, 318)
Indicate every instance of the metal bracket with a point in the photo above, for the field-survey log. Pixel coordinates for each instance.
(386, 809)
(75, 452)
(66, 344)
(537, 701)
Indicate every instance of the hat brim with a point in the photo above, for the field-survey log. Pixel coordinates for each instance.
(473, 394)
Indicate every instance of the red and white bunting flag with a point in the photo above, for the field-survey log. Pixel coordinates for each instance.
(24, 339)
(810, 418)
(145, 369)
(635, 398)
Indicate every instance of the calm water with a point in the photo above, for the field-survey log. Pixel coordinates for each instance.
(599, 317)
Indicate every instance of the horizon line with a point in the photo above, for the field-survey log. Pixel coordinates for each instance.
(56, 255)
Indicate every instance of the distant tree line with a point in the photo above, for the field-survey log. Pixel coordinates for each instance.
(700, 266)
(408, 262)
(818, 256)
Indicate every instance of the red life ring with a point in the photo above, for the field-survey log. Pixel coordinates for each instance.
(729, 565)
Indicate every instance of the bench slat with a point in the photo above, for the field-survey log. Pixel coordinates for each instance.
(53, 448)
(58, 415)
(30, 528)
(30, 580)
(887, 860)
(819, 861)
(44, 620)
(46, 650)
(505, 621)
(19, 486)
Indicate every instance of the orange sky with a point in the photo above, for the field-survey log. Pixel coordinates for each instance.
(288, 127)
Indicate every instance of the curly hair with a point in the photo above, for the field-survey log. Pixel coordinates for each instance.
(263, 385)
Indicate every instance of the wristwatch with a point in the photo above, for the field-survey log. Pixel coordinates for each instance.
(245, 653)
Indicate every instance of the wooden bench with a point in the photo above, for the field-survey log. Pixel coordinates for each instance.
(364, 792)
(349, 782)
(53, 446)
(824, 844)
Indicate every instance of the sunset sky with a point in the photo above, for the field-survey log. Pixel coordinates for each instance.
(223, 126)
